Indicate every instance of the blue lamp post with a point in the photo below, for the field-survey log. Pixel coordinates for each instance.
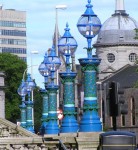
(89, 26)
(22, 91)
(67, 46)
(44, 118)
(53, 64)
(29, 104)
(44, 72)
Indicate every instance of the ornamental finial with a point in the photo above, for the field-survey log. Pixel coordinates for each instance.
(89, 1)
(67, 25)
(67, 29)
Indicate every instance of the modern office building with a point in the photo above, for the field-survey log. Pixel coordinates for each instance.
(13, 32)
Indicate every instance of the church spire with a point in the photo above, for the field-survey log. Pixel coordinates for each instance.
(120, 7)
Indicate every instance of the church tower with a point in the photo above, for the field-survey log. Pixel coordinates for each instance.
(116, 44)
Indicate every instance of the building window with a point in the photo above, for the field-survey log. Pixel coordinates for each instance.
(110, 57)
(123, 120)
(13, 41)
(13, 33)
(111, 121)
(13, 24)
(23, 58)
(133, 119)
(132, 57)
(13, 50)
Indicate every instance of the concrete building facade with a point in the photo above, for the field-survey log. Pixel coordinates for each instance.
(13, 32)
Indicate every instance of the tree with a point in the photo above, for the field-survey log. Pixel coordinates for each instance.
(136, 33)
(13, 68)
(37, 109)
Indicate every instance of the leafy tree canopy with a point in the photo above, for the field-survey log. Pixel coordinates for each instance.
(13, 67)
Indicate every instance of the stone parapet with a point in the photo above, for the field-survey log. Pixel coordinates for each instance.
(80, 141)
(13, 137)
(88, 140)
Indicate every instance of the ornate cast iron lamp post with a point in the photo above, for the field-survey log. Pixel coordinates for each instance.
(89, 26)
(53, 64)
(44, 72)
(22, 91)
(67, 46)
(30, 86)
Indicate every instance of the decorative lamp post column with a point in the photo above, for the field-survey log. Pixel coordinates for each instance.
(44, 72)
(67, 46)
(22, 91)
(53, 64)
(29, 104)
(44, 118)
(89, 26)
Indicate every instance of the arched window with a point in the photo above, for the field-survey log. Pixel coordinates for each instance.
(123, 120)
(133, 109)
(103, 112)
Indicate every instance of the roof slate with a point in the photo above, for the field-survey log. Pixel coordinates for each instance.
(126, 76)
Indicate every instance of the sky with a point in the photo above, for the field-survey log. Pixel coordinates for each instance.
(41, 18)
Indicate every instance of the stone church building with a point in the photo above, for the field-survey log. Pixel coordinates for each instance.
(116, 44)
(117, 47)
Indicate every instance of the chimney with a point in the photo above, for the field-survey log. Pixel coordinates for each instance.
(120, 7)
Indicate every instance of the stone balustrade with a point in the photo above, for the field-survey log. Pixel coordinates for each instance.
(13, 137)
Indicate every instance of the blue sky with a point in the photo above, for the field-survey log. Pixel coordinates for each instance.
(41, 23)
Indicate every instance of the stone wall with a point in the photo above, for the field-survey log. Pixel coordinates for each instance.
(14, 137)
(2, 96)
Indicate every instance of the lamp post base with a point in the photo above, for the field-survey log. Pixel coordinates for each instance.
(43, 128)
(90, 122)
(69, 124)
(52, 127)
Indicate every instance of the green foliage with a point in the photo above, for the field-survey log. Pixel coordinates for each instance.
(136, 35)
(37, 109)
(105, 128)
(135, 85)
(13, 67)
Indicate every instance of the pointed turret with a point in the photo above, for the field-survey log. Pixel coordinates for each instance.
(54, 37)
